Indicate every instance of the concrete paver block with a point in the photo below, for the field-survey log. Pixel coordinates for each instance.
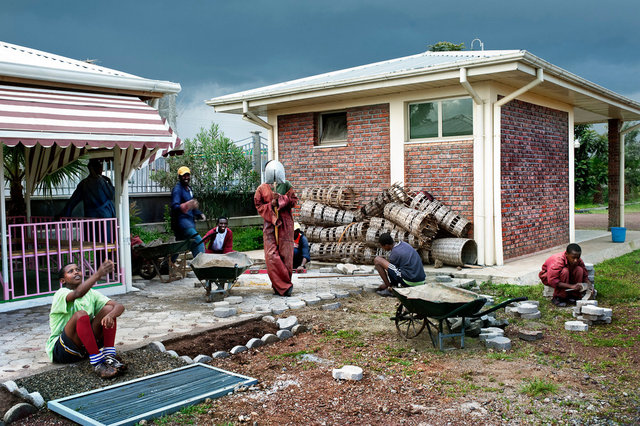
(233, 300)
(487, 336)
(495, 330)
(530, 335)
(592, 310)
(19, 411)
(173, 353)
(575, 326)
(261, 308)
(339, 294)
(238, 349)
(511, 310)
(443, 278)
(223, 304)
(607, 312)
(348, 372)
(287, 323)
(186, 359)
(325, 270)
(527, 308)
(224, 312)
(36, 399)
(278, 309)
(296, 304)
(500, 343)
(284, 334)
(270, 338)
(331, 306)
(156, 346)
(254, 343)
(581, 303)
(326, 296)
(269, 318)
(300, 328)
(311, 300)
(355, 291)
(202, 358)
(220, 354)
(10, 385)
(547, 291)
(534, 315)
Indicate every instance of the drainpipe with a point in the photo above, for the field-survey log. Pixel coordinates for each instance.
(479, 217)
(254, 119)
(497, 199)
(622, 134)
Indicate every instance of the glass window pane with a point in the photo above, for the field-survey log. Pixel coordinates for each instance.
(457, 117)
(334, 127)
(423, 120)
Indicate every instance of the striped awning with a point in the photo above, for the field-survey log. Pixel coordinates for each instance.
(45, 117)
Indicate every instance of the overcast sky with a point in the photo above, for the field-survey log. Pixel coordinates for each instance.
(215, 47)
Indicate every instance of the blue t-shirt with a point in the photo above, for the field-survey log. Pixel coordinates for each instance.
(408, 261)
(183, 221)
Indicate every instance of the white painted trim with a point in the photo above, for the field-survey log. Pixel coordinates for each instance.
(3, 231)
(444, 140)
(397, 133)
(330, 145)
(572, 179)
(17, 134)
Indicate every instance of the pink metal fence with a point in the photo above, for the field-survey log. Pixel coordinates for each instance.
(38, 250)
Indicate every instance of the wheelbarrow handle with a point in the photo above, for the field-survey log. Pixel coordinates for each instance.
(499, 306)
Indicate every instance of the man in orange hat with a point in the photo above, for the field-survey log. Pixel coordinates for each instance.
(184, 211)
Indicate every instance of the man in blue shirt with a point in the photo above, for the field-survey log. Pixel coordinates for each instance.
(95, 192)
(403, 269)
(184, 210)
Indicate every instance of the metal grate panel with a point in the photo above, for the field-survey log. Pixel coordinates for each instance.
(149, 397)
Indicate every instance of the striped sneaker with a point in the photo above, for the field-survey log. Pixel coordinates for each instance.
(115, 362)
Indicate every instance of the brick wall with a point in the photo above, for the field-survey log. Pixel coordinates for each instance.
(445, 170)
(535, 178)
(363, 164)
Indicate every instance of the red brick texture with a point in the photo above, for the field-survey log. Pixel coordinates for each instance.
(363, 164)
(535, 178)
(445, 170)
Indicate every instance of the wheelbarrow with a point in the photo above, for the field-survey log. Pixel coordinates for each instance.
(427, 304)
(222, 270)
(156, 257)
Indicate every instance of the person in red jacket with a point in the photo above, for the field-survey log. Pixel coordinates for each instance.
(219, 239)
(567, 275)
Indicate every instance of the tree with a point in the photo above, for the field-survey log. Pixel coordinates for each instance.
(14, 172)
(591, 164)
(219, 170)
(445, 46)
(632, 160)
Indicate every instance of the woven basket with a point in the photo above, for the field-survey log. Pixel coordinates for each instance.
(425, 255)
(375, 207)
(399, 194)
(418, 223)
(339, 196)
(455, 251)
(352, 252)
(314, 213)
(373, 234)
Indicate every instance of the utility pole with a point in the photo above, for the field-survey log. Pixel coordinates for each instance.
(257, 153)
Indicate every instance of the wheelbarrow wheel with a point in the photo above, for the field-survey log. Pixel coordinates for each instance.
(147, 271)
(408, 324)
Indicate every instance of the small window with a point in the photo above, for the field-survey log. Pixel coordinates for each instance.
(441, 119)
(332, 128)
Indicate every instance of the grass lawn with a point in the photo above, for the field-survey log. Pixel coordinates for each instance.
(628, 208)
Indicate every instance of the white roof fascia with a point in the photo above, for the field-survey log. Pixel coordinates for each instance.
(35, 72)
(273, 91)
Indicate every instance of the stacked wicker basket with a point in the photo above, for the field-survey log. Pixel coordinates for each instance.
(339, 232)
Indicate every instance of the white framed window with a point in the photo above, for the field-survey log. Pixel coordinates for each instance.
(332, 128)
(440, 119)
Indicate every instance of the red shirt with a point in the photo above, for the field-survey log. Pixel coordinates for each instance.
(553, 266)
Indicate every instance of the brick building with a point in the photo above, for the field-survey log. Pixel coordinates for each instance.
(489, 133)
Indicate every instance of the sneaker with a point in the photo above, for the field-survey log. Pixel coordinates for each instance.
(105, 371)
(384, 293)
(558, 302)
(115, 362)
(288, 292)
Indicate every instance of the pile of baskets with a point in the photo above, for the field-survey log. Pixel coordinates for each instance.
(338, 232)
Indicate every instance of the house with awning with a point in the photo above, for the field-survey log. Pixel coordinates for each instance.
(488, 133)
(57, 110)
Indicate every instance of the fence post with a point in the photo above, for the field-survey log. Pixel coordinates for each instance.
(257, 153)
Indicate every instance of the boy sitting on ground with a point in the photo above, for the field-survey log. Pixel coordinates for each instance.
(566, 274)
(81, 318)
(404, 267)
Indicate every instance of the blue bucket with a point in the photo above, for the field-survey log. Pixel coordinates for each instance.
(618, 234)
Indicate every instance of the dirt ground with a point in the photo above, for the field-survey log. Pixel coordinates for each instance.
(601, 221)
(566, 377)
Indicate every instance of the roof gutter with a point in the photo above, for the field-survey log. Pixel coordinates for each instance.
(88, 79)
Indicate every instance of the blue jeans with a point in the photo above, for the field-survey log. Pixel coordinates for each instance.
(198, 245)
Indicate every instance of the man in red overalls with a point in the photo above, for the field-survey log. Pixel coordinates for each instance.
(565, 273)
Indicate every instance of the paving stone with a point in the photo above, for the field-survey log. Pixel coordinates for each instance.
(575, 326)
(365, 269)
(547, 291)
(495, 330)
(325, 270)
(270, 338)
(591, 317)
(326, 296)
(589, 266)
(202, 358)
(581, 303)
(223, 304)
(269, 318)
(36, 399)
(238, 349)
(530, 335)
(278, 309)
(348, 372)
(19, 411)
(254, 343)
(10, 385)
(486, 336)
(443, 278)
(221, 354)
(186, 359)
(140, 285)
(340, 294)
(474, 328)
(494, 322)
(300, 328)
(490, 299)
(513, 310)
(157, 347)
(261, 308)
(173, 353)
(284, 334)
(263, 313)
(22, 392)
(233, 300)
(311, 300)
(527, 308)
(499, 343)
(371, 287)
(592, 310)
(287, 323)
(355, 291)
(535, 315)
(607, 312)
(224, 312)
(296, 304)
(331, 306)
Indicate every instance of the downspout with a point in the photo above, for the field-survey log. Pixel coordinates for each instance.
(478, 167)
(497, 199)
(3, 231)
(249, 116)
(622, 134)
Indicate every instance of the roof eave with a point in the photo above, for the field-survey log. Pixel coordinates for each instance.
(46, 74)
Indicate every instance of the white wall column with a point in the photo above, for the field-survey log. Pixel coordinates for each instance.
(126, 237)
(572, 175)
(487, 185)
(117, 177)
(3, 231)
(396, 141)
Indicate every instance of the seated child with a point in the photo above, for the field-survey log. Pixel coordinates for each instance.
(82, 319)
(219, 239)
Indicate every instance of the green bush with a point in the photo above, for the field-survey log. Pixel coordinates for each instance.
(247, 238)
(617, 279)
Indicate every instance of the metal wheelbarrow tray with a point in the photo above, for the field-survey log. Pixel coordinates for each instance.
(163, 252)
(435, 301)
(221, 269)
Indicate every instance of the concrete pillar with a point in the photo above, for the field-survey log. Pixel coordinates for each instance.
(614, 172)
(257, 153)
